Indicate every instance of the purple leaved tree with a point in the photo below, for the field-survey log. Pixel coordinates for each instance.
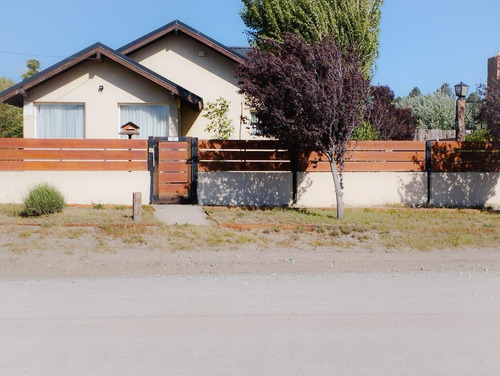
(391, 122)
(308, 96)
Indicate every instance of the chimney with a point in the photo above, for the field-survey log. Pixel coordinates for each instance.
(494, 68)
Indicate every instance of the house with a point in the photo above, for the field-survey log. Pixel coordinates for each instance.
(161, 82)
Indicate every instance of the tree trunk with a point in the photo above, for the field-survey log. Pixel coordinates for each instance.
(338, 189)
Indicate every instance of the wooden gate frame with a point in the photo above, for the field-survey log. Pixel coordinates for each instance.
(153, 154)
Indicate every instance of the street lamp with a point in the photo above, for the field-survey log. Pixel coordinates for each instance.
(461, 92)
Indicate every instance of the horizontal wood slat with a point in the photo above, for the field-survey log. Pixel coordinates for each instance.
(243, 155)
(173, 189)
(238, 144)
(173, 155)
(172, 145)
(243, 166)
(73, 154)
(73, 166)
(369, 167)
(386, 145)
(172, 166)
(466, 166)
(57, 143)
(173, 177)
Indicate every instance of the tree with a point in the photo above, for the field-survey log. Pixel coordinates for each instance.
(353, 24)
(308, 96)
(447, 90)
(389, 121)
(33, 66)
(433, 111)
(220, 124)
(490, 109)
(415, 92)
(11, 117)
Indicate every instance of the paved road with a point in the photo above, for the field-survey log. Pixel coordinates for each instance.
(336, 324)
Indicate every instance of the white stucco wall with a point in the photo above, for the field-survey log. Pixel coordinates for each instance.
(466, 189)
(80, 86)
(212, 76)
(245, 188)
(78, 187)
(360, 189)
(363, 189)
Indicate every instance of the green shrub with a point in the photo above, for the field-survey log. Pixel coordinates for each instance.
(43, 199)
(365, 132)
(479, 135)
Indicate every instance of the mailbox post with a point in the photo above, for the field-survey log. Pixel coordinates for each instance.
(130, 129)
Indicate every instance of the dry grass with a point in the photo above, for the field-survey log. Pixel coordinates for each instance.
(400, 228)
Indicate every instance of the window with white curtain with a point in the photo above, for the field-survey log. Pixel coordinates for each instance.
(151, 119)
(60, 120)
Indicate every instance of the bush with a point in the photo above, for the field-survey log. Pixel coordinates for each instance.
(43, 199)
(479, 135)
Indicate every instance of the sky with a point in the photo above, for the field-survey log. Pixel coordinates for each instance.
(422, 43)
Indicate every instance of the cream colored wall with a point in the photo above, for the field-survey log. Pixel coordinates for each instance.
(176, 57)
(363, 189)
(78, 187)
(80, 85)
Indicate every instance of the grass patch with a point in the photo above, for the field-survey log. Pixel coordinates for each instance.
(390, 228)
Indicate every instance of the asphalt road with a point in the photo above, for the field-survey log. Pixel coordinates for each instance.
(328, 324)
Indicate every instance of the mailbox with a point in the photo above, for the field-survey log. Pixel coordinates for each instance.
(130, 129)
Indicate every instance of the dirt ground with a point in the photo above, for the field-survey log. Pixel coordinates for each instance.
(142, 261)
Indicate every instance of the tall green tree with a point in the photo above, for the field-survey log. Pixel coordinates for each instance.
(11, 117)
(353, 24)
(33, 66)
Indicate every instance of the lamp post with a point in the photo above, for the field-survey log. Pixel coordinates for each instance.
(461, 92)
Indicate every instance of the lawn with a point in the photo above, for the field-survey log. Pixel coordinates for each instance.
(107, 228)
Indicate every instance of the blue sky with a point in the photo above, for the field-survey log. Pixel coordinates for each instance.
(422, 43)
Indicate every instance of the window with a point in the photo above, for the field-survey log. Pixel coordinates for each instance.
(254, 119)
(60, 120)
(151, 119)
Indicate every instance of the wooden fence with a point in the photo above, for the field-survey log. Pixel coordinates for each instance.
(37, 154)
(249, 155)
(267, 156)
(465, 156)
(434, 134)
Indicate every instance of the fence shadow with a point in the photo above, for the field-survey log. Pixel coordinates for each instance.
(245, 189)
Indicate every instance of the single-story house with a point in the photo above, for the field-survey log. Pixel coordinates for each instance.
(161, 82)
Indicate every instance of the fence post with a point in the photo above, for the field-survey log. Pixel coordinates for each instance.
(294, 165)
(151, 168)
(194, 170)
(428, 169)
(136, 206)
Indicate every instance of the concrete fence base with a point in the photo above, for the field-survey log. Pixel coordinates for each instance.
(78, 187)
(315, 189)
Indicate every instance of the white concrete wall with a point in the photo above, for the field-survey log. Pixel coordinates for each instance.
(78, 187)
(80, 86)
(466, 189)
(363, 189)
(211, 76)
(267, 188)
(245, 188)
(360, 189)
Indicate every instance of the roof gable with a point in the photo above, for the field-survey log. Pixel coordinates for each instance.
(176, 27)
(14, 95)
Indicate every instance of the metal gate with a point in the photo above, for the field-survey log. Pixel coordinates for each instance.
(174, 169)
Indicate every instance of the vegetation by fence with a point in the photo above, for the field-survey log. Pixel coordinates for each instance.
(38, 154)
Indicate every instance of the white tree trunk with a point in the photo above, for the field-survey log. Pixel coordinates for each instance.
(338, 189)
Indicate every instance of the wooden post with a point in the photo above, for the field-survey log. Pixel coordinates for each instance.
(136, 206)
(460, 120)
